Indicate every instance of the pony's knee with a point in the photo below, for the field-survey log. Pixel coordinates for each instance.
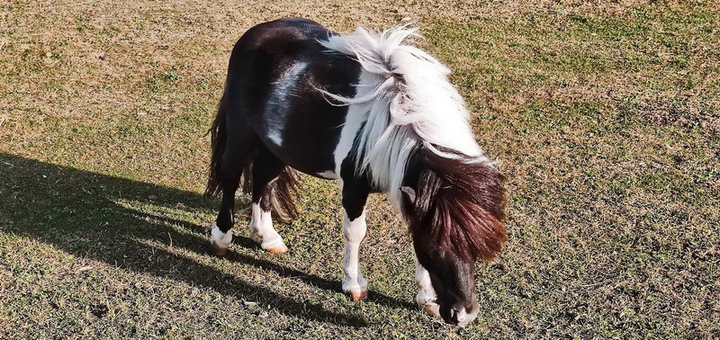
(354, 230)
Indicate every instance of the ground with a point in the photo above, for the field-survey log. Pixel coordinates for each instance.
(604, 116)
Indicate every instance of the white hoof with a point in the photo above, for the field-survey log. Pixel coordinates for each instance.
(358, 295)
(357, 288)
(277, 247)
(219, 241)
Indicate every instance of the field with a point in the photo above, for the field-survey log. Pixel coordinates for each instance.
(604, 116)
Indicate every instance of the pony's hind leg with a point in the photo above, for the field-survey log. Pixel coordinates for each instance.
(235, 157)
(272, 183)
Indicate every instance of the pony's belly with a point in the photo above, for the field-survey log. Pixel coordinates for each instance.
(328, 174)
(303, 157)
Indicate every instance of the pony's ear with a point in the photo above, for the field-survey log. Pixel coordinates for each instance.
(408, 193)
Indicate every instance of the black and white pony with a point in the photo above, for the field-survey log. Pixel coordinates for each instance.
(376, 114)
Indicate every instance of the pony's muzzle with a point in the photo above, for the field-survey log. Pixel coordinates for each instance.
(461, 316)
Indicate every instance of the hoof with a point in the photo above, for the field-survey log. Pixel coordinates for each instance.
(279, 249)
(276, 247)
(219, 241)
(431, 309)
(217, 250)
(359, 296)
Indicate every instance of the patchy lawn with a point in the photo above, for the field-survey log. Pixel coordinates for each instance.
(604, 116)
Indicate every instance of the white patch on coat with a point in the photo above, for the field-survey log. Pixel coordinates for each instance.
(356, 116)
(282, 90)
(261, 229)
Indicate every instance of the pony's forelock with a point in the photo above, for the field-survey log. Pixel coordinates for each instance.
(460, 207)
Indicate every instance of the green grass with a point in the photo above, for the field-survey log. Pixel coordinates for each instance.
(605, 119)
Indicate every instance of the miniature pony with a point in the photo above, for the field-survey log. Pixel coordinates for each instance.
(378, 115)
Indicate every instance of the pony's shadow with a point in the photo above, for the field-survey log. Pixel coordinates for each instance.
(87, 214)
(200, 245)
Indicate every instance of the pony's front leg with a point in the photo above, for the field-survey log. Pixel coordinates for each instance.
(426, 297)
(354, 197)
(354, 232)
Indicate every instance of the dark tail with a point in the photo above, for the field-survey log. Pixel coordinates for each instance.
(217, 145)
(281, 192)
(218, 137)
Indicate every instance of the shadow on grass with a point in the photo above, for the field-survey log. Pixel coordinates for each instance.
(79, 212)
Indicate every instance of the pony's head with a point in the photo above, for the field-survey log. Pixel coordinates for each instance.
(455, 211)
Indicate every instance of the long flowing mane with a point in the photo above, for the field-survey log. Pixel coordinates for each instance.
(410, 108)
(408, 103)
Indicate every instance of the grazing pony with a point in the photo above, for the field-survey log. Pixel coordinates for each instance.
(376, 114)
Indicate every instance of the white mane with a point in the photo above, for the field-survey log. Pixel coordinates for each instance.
(406, 101)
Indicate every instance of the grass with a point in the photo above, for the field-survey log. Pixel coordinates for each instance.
(604, 116)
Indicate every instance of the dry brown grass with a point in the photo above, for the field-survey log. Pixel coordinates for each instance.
(603, 114)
